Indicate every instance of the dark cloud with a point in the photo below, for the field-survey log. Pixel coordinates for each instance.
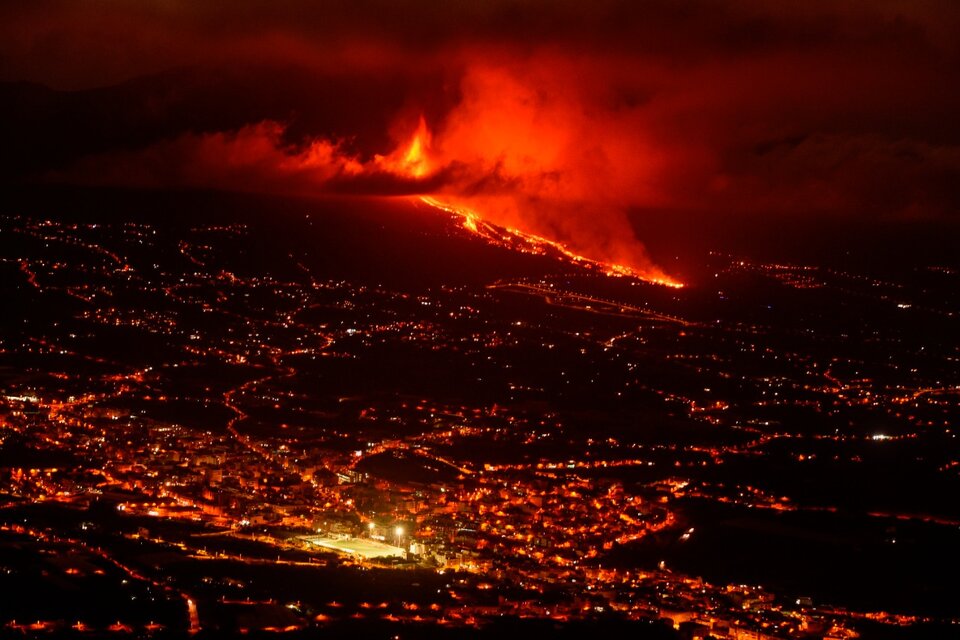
(71, 44)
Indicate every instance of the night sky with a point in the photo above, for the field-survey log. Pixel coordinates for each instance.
(592, 123)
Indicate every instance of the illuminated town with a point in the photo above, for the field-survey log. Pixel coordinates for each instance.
(223, 442)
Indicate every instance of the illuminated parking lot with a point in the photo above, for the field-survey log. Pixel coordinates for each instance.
(362, 547)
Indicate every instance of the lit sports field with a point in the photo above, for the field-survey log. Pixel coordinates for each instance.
(356, 546)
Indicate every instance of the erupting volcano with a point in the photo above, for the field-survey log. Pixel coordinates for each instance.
(413, 160)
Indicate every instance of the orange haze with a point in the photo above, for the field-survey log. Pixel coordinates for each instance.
(575, 122)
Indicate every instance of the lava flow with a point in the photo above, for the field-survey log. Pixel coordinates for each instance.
(529, 243)
(413, 160)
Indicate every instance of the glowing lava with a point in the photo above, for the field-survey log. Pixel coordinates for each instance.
(529, 243)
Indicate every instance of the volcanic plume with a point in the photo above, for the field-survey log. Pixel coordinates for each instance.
(522, 149)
